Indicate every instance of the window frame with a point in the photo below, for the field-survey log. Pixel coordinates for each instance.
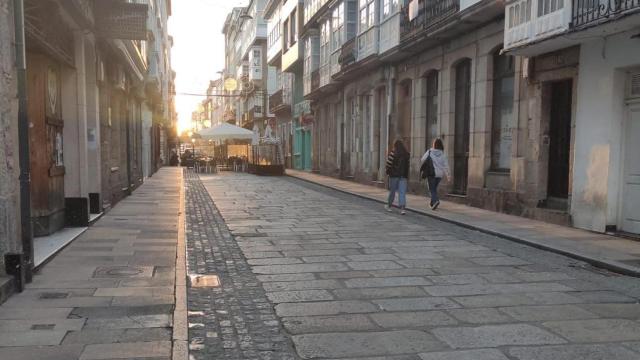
(503, 69)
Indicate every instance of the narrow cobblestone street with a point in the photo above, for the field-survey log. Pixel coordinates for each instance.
(337, 277)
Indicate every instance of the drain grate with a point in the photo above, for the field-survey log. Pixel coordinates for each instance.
(43, 326)
(54, 295)
(251, 234)
(200, 280)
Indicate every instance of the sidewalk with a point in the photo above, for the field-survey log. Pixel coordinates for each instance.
(609, 252)
(111, 293)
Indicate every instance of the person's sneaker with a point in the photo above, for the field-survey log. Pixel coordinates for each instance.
(388, 208)
(402, 212)
(435, 205)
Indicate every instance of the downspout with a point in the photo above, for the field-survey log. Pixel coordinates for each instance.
(23, 139)
(128, 135)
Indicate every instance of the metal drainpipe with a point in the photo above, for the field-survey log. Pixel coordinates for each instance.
(23, 139)
(128, 123)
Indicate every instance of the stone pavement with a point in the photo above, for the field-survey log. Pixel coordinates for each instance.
(232, 319)
(348, 280)
(110, 293)
(606, 251)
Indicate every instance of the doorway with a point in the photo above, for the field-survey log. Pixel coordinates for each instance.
(631, 185)
(559, 140)
(44, 89)
(462, 125)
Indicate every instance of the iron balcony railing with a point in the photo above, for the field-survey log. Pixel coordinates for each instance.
(276, 100)
(348, 54)
(590, 12)
(429, 15)
(315, 79)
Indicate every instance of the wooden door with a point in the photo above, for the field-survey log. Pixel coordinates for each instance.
(46, 143)
(462, 125)
(559, 139)
(631, 186)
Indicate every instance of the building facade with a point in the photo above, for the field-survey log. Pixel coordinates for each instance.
(10, 235)
(508, 89)
(98, 104)
(584, 75)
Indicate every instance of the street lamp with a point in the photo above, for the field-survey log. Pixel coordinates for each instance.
(193, 140)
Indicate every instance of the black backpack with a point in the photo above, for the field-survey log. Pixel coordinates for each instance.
(427, 169)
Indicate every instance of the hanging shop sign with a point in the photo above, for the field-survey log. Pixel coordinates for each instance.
(121, 20)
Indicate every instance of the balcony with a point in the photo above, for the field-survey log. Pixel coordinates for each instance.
(291, 57)
(315, 80)
(430, 15)
(278, 102)
(530, 21)
(325, 74)
(311, 8)
(368, 43)
(348, 54)
(593, 12)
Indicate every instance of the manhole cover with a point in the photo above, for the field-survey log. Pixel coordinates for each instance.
(123, 272)
(200, 280)
(54, 295)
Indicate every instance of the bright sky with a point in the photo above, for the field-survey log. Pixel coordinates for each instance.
(198, 50)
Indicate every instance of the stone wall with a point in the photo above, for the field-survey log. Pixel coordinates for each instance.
(9, 165)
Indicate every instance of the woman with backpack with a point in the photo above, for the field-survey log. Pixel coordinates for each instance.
(434, 167)
(397, 168)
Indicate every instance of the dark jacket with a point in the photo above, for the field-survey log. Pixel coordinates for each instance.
(398, 165)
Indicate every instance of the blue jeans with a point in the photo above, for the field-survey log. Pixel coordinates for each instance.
(433, 188)
(400, 185)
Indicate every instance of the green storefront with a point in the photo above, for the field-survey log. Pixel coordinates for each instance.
(302, 138)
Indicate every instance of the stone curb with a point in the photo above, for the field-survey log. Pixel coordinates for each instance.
(611, 265)
(180, 335)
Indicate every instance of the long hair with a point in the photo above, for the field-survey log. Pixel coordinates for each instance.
(398, 148)
(437, 144)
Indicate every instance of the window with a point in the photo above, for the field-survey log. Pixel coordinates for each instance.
(338, 26)
(372, 13)
(548, 6)
(274, 35)
(367, 14)
(325, 34)
(293, 34)
(502, 110)
(389, 7)
(386, 8)
(285, 29)
(432, 107)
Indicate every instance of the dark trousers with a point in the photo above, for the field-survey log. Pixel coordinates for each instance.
(433, 188)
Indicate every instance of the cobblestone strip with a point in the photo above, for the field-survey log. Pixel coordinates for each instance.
(234, 320)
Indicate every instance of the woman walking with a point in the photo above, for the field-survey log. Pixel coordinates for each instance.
(397, 168)
(441, 169)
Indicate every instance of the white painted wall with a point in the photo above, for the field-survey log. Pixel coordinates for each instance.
(598, 137)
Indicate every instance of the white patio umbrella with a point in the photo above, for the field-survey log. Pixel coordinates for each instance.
(225, 131)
